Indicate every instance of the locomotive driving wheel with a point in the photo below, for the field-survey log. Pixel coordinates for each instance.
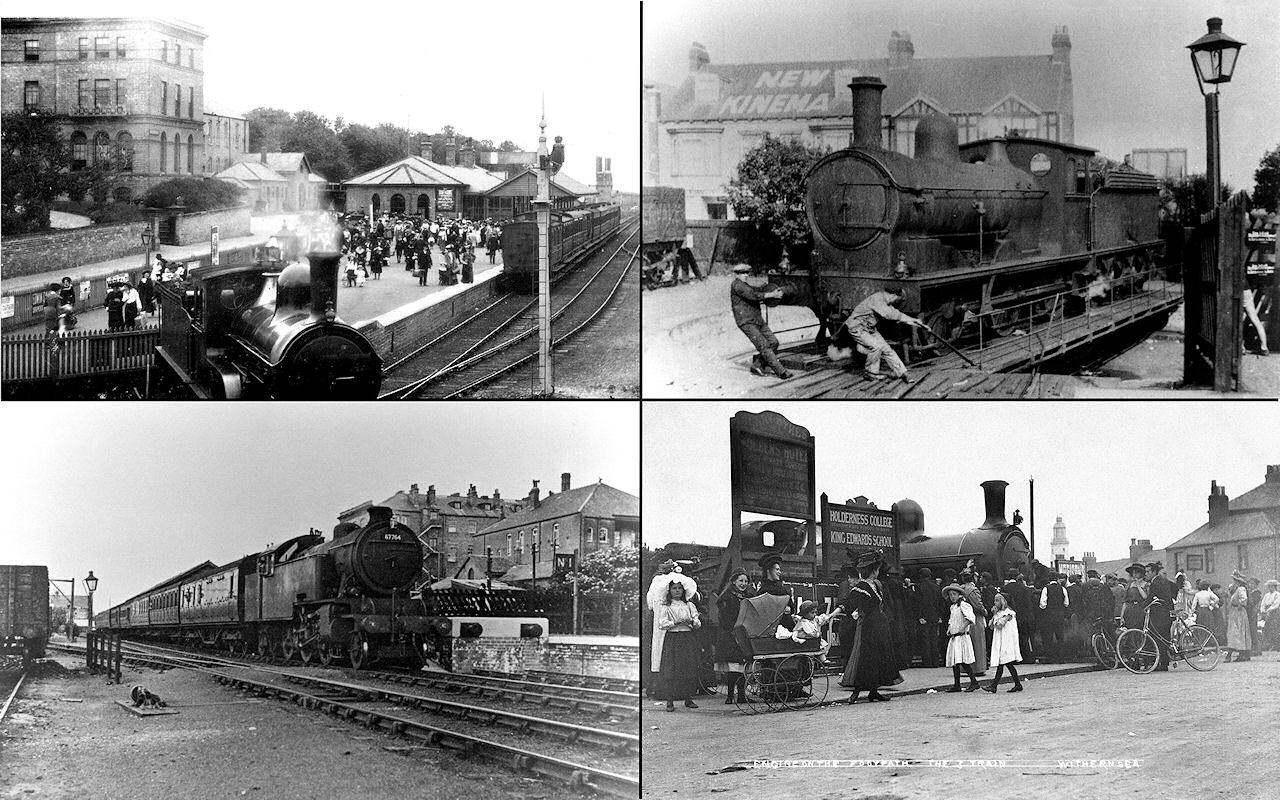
(306, 653)
(289, 646)
(358, 650)
(324, 653)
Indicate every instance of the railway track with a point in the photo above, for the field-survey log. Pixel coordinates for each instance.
(584, 757)
(8, 691)
(503, 336)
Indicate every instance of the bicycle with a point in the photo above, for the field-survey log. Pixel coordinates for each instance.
(1104, 642)
(1194, 644)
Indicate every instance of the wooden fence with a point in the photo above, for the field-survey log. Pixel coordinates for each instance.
(39, 356)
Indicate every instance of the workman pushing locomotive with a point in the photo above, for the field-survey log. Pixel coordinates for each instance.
(746, 296)
(862, 327)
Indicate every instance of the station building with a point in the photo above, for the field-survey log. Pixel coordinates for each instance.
(582, 520)
(127, 93)
(696, 133)
(1241, 534)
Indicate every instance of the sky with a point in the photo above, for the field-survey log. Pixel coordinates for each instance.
(1133, 81)
(482, 68)
(1114, 471)
(140, 492)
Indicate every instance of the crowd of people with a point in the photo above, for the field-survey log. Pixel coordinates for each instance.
(127, 303)
(883, 622)
(367, 247)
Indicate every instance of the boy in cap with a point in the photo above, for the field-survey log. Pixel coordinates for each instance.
(745, 297)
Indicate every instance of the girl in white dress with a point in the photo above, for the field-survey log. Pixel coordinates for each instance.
(1004, 643)
(959, 644)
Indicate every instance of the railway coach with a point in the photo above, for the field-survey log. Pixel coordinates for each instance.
(572, 233)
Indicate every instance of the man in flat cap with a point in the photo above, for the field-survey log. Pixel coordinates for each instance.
(862, 327)
(745, 295)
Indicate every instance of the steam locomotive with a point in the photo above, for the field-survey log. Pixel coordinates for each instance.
(265, 330)
(998, 233)
(347, 599)
(996, 546)
(572, 232)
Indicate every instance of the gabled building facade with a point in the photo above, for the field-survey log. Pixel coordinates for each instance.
(1241, 534)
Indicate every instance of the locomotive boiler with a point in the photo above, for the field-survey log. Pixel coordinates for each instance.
(995, 546)
(266, 331)
(998, 234)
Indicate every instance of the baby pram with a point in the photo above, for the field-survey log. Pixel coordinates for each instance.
(781, 673)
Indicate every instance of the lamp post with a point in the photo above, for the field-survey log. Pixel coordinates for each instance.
(91, 583)
(1214, 58)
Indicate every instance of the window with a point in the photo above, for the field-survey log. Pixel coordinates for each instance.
(1177, 563)
(177, 99)
(82, 94)
(164, 50)
(555, 534)
(509, 551)
(120, 48)
(125, 142)
(177, 153)
(102, 149)
(590, 534)
(1208, 560)
(102, 47)
(1051, 127)
(164, 144)
(191, 103)
(1071, 175)
(191, 58)
(717, 210)
(190, 150)
(1242, 556)
(79, 150)
(520, 542)
(31, 50)
(164, 97)
(1082, 179)
(30, 94)
(177, 53)
(101, 94)
(84, 48)
(120, 92)
(471, 548)
(604, 535)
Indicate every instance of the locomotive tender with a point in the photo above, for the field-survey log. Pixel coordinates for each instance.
(266, 331)
(346, 598)
(1000, 232)
(572, 233)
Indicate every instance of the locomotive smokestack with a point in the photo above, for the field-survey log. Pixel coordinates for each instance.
(324, 281)
(866, 97)
(994, 492)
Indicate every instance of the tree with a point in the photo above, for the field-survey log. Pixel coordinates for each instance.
(370, 148)
(268, 128)
(509, 146)
(612, 570)
(768, 190)
(1191, 194)
(1266, 189)
(198, 194)
(35, 165)
(311, 134)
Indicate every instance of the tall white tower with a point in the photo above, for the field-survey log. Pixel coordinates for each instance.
(1058, 545)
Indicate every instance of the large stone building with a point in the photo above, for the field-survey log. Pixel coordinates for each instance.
(696, 133)
(128, 93)
(1242, 534)
(226, 141)
(582, 520)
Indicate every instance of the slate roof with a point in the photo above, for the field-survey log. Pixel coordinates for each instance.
(251, 171)
(288, 162)
(409, 171)
(1236, 527)
(597, 500)
(972, 84)
(478, 180)
(1266, 496)
(561, 181)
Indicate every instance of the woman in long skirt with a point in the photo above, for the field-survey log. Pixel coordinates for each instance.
(978, 630)
(729, 659)
(676, 650)
(1239, 637)
(959, 643)
(871, 661)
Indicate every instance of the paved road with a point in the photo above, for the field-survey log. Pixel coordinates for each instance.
(1175, 734)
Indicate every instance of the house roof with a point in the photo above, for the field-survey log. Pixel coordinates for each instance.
(251, 171)
(1116, 567)
(597, 500)
(288, 162)
(478, 180)
(315, 178)
(234, 181)
(409, 171)
(561, 182)
(1236, 527)
(1266, 496)
(975, 84)
(478, 561)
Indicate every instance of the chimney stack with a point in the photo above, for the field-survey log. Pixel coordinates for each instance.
(901, 50)
(469, 157)
(993, 492)
(1218, 503)
(1061, 44)
(1273, 473)
(472, 495)
(431, 495)
(497, 499)
(535, 495)
(599, 164)
(564, 481)
(698, 57)
(450, 152)
(866, 98)
(413, 493)
(1138, 548)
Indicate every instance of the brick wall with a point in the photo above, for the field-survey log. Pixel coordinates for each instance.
(194, 228)
(65, 250)
(522, 655)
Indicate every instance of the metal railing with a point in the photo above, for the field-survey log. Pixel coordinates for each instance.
(1130, 296)
(42, 356)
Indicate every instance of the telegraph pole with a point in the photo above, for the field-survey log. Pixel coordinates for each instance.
(543, 206)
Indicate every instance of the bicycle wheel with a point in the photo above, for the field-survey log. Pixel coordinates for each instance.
(1199, 648)
(1137, 651)
(1105, 651)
